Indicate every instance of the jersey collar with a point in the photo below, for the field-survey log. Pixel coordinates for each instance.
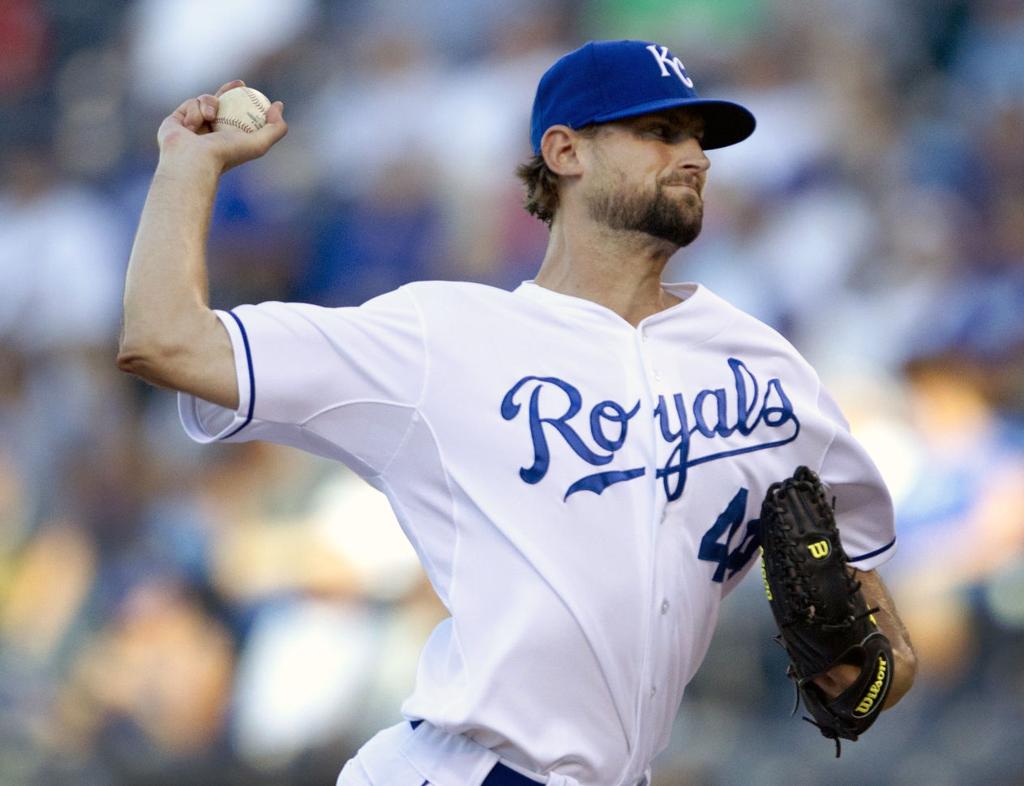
(700, 315)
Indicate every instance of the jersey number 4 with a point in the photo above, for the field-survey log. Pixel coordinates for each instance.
(729, 563)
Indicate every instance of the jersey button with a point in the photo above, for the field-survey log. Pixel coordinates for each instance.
(665, 606)
(654, 689)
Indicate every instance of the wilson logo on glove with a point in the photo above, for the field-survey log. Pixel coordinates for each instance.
(867, 704)
(819, 550)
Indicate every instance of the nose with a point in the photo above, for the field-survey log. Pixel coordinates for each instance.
(692, 157)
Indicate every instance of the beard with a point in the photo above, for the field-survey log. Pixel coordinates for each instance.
(674, 218)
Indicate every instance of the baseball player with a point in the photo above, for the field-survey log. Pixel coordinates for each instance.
(579, 463)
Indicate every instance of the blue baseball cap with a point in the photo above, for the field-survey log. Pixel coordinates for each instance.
(609, 80)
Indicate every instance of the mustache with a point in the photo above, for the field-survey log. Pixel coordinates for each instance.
(684, 180)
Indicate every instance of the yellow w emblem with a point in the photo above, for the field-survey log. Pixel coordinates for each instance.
(819, 550)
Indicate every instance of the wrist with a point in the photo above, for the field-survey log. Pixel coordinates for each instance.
(189, 163)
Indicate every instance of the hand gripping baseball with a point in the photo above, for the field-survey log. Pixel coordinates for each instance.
(824, 621)
(189, 131)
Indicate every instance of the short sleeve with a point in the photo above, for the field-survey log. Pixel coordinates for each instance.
(864, 509)
(326, 380)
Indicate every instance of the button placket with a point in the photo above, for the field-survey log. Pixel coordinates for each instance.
(655, 632)
(654, 372)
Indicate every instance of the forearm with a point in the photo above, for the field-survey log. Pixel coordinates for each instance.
(905, 660)
(166, 289)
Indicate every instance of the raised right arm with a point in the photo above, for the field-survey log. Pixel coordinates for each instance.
(170, 336)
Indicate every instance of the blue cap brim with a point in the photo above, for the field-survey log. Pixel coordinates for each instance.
(725, 123)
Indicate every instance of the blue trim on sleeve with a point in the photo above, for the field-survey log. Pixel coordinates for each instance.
(252, 378)
(870, 554)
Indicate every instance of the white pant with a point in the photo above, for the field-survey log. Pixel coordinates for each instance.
(402, 756)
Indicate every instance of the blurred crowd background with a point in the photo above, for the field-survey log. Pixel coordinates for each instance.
(171, 614)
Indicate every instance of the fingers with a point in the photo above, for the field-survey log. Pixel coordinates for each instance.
(208, 106)
(275, 127)
(193, 119)
(206, 98)
(276, 112)
(195, 113)
(229, 86)
(179, 113)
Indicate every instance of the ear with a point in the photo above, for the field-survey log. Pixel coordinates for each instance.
(558, 147)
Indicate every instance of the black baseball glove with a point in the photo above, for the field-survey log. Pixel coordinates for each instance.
(822, 616)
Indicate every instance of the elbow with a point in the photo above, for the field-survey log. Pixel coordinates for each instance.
(135, 360)
(168, 356)
(131, 360)
(132, 354)
(149, 361)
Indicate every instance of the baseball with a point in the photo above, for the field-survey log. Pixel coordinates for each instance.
(243, 108)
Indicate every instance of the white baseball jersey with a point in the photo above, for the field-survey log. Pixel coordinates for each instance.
(581, 492)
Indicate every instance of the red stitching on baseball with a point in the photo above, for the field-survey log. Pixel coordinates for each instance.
(230, 121)
(251, 93)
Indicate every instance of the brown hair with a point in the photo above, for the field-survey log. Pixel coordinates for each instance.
(542, 184)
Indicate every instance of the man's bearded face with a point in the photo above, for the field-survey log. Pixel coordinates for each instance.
(667, 211)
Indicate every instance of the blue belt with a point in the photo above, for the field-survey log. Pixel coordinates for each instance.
(500, 775)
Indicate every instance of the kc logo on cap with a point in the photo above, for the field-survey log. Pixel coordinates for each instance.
(604, 81)
(661, 55)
